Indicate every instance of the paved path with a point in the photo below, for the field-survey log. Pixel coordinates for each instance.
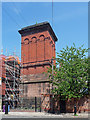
(41, 115)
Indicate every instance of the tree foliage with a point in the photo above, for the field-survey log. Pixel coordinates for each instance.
(70, 74)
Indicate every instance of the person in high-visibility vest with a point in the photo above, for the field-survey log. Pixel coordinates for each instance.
(12, 97)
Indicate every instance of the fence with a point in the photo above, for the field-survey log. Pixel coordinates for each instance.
(33, 104)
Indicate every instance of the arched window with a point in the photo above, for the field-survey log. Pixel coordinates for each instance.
(26, 41)
(34, 39)
(41, 37)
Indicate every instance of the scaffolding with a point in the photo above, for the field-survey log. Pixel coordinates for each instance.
(12, 82)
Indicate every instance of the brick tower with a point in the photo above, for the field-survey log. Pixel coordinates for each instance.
(37, 50)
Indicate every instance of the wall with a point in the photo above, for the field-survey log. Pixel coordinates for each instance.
(38, 48)
(82, 104)
(37, 51)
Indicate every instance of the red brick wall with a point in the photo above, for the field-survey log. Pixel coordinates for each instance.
(0, 90)
(2, 74)
(36, 48)
(2, 68)
(82, 104)
(37, 87)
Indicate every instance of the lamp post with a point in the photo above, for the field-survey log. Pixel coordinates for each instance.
(6, 107)
(52, 89)
(52, 73)
(75, 110)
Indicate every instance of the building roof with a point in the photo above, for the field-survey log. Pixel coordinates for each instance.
(37, 28)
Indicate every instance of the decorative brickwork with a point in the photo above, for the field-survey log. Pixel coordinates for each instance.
(37, 50)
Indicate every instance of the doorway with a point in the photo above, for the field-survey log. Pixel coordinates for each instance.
(62, 106)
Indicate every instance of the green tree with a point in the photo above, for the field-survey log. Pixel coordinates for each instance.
(70, 74)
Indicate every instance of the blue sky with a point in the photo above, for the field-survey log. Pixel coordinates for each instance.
(70, 22)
